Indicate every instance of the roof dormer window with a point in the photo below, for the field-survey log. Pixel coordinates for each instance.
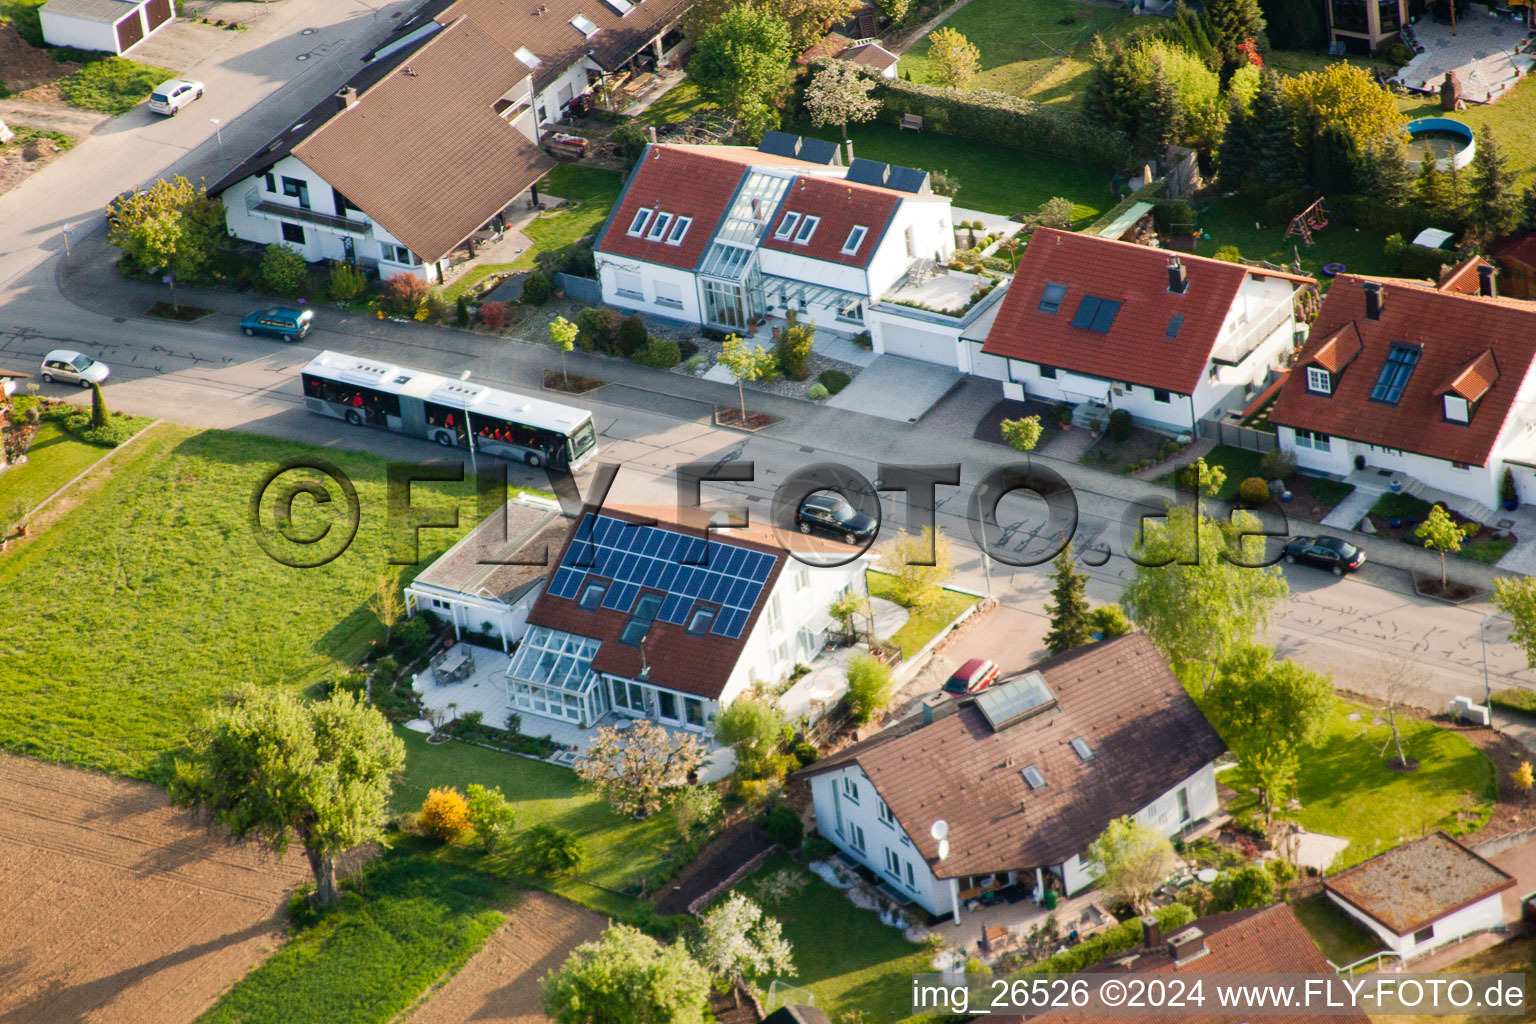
(637, 226)
(787, 226)
(1457, 409)
(1319, 381)
(1050, 301)
(855, 239)
(659, 227)
(807, 229)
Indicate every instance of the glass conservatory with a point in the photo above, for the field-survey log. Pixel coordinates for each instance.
(551, 674)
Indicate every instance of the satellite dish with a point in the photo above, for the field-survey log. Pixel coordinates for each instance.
(940, 829)
(943, 849)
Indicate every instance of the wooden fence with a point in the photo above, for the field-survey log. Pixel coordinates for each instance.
(1239, 437)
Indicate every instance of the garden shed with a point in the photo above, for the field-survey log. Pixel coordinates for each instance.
(115, 26)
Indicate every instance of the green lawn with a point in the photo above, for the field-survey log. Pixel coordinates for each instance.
(54, 459)
(1512, 118)
(924, 625)
(422, 917)
(1347, 789)
(1340, 938)
(131, 615)
(593, 192)
(992, 178)
(843, 954)
(1486, 551)
(1020, 43)
(1239, 463)
(619, 850)
(677, 104)
(1235, 220)
(112, 86)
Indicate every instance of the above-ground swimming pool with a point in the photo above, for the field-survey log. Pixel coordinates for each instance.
(1450, 141)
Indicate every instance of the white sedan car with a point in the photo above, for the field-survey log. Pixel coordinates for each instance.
(73, 368)
(169, 97)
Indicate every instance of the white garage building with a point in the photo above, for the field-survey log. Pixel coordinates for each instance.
(115, 26)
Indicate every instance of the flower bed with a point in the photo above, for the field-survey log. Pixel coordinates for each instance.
(574, 384)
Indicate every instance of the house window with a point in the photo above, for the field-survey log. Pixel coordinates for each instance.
(787, 226)
(1456, 409)
(850, 789)
(439, 603)
(1161, 395)
(1032, 776)
(856, 834)
(1461, 466)
(1095, 314)
(592, 595)
(296, 188)
(892, 864)
(679, 230)
(628, 285)
(583, 24)
(1423, 935)
(852, 312)
(1050, 301)
(527, 56)
(855, 239)
(396, 253)
(293, 233)
(1174, 324)
(668, 701)
(659, 227)
(271, 180)
(699, 622)
(1312, 439)
(911, 878)
(637, 226)
(1082, 749)
(781, 653)
(775, 619)
(1047, 372)
(1401, 359)
(693, 710)
(1183, 798)
(639, 623)
(886, 817)
(1319, 381)
(802, 580)
(807, 229)
(668, 294)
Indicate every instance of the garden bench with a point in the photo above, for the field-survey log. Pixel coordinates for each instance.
(911, 122)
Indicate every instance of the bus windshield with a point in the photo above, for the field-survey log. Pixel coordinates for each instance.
(583, 440)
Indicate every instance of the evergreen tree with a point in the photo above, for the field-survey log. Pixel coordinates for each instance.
(1383, 172)
(1113, 95)
(1528, 205)
(1068, 608)
(1235, 158)
(99, 412)
(1186, 29)
(1274, 157)
(1455, 190)
(1162, 114)
(1331, 168)
(1496, 207)
(1430, 187)
(1295, 24)
(1230, 23)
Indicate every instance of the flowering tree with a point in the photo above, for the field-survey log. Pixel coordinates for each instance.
(637, 769)
(1440, 532)
(1135, 859)
(562, 334)
(737, 941)
(839, 95)
(746, 362)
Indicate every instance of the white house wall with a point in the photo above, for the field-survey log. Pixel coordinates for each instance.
(547, 99)
(1479, 483)
(1162, 815)
(473, 612)
(1483, 915)
(1141, 402)
(932, 235)
(81, 33)
(610, 267)
(836, 817)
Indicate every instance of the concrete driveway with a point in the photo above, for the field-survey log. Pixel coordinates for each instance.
(895, 388)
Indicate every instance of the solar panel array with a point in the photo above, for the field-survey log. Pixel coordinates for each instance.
(630, 557)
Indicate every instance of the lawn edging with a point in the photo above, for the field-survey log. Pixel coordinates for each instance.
(84, 472)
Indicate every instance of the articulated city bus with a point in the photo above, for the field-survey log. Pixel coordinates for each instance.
(369, 393)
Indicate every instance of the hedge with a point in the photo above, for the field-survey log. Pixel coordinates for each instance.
(1118, 939)
(1523, 701)
(1149, 193)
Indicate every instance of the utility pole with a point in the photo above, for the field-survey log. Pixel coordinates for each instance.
(1482, 637)
(219, 131)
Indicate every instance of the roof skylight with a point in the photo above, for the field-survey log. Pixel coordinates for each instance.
(583, 24)
(1096, 314)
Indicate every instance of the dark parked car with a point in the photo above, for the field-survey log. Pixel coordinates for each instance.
(1325, 553)
(972, 677)
(280, 322)
(830, 514)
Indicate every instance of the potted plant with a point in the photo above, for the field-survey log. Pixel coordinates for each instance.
(1064, 416)
(1096, 427)
(1507, 492)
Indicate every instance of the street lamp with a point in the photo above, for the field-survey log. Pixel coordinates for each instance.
(219, 131)
(1482, 638)
(469, 430)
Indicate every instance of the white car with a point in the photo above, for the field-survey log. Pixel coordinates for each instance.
(73, 368)
(169, 97)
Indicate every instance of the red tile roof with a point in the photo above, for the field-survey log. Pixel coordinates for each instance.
(1135, 349)
(830, 45)
(1267, 940)
(1419, 882)
(1145, 732)
(841, 205)
(685, 181)
(1462, 278)
(871, 55)
(1454, 330)
(1339, 349)
(1520, 248)
(1473, 382)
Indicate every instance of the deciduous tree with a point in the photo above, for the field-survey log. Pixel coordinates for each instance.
(746, 363)
(809, 19)
(636, 769)
(919, 563)
(1135, 859)
(694, 808)
(1268, 711)
(387, 604)
(952, 60)
(840, 95)
(171, 226)
(1022, 434)
(1068, 606)
(753, 726)
(272, 769)
(1346, 97)
(1516, 598)
(1398, 683)
(627, 977)
(562, 335)
(740, 63)
(737, 942)
(491, 818)
(869, 687)
(1441, 533)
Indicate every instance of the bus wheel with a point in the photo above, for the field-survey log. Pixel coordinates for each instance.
(533, 459)
(354, 418)
(445, 439)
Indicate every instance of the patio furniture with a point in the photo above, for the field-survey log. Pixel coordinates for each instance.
(454, 665)
(911, 122)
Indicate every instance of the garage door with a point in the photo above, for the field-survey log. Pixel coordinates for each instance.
(157, 12)
(129, 31)
(915, 344)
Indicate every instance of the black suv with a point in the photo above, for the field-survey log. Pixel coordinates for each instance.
(830, 514)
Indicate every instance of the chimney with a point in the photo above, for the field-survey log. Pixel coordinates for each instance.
(1187, 945)
(850, 152)
(1151, 931)
(346, 97)
(1485, 285)
(931, 704)
(1375, 299)
(1178, 275)
(650, 132)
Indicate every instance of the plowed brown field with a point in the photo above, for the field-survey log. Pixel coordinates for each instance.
(117, 909)
(501, 984)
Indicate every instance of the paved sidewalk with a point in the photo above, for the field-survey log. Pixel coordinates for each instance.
(1347, 513)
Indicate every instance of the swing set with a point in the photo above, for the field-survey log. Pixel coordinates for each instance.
(1313, 218)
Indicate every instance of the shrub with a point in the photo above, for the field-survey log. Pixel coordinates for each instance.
(1422, 261)
(100, 415)
(491, 818)
(347, 281)
(1229, 254)
(1394, 247)
(806, 753)
(402, 294)
(869, 687)
(818, 847)
(1118, 939)
(493, 315)
(1249, 886)
(387, 669)
(833, 380)
(536, 288)
(1120, 425)
(412, 639)
(1022, 434)
(687, 349)
(461, 310)
(632, 335)
(283, 270)
(597, 329)
(1277, 465)
(794, 349)
(1254, 490)
(817, 392)
(1173, 216)
(784, 827)
(662, 353)
(1523, 701)
(444, 815)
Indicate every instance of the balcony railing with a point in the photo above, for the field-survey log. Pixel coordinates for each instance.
(1249, 336)
(255, 204)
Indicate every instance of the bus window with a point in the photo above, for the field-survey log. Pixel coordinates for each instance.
(374, 405)
(443, 416)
